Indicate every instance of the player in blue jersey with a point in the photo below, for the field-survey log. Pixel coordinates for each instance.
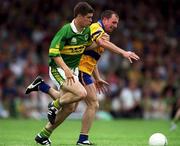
(88, 67)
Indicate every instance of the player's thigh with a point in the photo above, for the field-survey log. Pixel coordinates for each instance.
(89, 85)
(76, 88)
(57, 75)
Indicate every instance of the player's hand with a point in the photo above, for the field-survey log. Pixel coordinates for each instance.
(101, 86)
(69, 77)
(131, 55)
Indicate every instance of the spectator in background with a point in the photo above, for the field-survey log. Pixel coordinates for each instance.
(129, 102)
(171, 96)
(3, 112)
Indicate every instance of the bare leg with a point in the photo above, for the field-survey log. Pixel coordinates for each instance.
(45, 133)
(89, 114)
(92, 107)
(77, 89)
(61, 116)
(72, 93)
(54, 94)
(175, 120)
(177, 116)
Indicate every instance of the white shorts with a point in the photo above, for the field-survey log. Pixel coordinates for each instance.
(58, 77)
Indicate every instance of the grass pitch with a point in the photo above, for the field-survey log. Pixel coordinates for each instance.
(104, 133)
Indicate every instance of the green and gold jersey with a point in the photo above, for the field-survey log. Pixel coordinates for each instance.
(69, 44)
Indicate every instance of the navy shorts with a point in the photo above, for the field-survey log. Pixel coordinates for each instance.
(85, 78)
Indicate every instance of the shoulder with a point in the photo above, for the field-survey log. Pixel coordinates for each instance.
(63, 31)
(96, 26)
(66, 27)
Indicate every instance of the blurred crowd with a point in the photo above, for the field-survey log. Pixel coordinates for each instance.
(149, 88)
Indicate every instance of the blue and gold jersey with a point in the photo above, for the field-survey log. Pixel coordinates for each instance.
(90, 57)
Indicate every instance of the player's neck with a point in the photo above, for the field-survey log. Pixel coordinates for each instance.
(78, 26)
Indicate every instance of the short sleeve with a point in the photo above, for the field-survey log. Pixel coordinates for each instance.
(96, 32)
(58, 42)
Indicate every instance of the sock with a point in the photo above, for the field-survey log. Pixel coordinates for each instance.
(45, 133)
(83, 137)
(57, 104)
(44, 87)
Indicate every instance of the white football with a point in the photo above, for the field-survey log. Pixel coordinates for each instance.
(158, 139)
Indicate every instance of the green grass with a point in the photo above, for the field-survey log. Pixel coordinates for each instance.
(103, 133)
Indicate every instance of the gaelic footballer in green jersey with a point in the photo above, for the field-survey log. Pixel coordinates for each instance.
(69, 44)
(65, 52)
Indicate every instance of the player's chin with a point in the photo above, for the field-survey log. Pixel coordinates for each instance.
(111, 30)
(87, 25)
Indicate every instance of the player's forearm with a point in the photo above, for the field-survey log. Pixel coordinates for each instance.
(59, 61)
(110, 46)
(92, 46)
(96, 73)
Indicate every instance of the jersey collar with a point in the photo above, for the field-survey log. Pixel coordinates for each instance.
(74, 28)
(101, 24)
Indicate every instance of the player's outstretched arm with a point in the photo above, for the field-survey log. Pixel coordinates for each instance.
(112, 47)
(94, 45)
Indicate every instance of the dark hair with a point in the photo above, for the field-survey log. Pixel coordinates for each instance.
(108, 14)
(82, 8)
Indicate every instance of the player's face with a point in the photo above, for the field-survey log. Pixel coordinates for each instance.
(111, 23)
(86, 20)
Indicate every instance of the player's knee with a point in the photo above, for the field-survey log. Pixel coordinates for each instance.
(82, 94)
(96, 105)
